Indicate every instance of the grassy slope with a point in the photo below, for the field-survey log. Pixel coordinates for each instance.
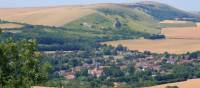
(131, 19)
(135, 19)
(140, 17)
(163, 11)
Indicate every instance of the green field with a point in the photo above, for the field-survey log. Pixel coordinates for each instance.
(189, 24)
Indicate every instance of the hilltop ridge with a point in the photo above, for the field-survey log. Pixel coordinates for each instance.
(60, 15)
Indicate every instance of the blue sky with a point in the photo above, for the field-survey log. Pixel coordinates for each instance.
(190, 5)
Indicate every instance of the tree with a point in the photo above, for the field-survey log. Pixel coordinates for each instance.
(121, 48)
(172, 87)
(182, 71)
(20, 64)
(166, 55)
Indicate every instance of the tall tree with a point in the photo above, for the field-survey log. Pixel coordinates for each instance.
(20, 64)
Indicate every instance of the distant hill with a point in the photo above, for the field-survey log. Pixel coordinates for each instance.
(117, 17)
(60, 15)
(101, 22)
(162, 11)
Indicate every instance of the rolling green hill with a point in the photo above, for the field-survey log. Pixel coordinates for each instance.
(108, 18)
(139, 17)
(162, 11)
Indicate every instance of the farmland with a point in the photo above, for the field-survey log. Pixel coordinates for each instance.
(10, 25)
(182, 33)
(193, 83)
(41, 15)
(177, 46)
(178, 40)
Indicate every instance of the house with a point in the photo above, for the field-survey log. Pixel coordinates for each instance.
(95, 72)
(171, 60)
(69, 75)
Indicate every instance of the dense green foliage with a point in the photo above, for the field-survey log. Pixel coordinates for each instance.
(54, 38)
(20, 65)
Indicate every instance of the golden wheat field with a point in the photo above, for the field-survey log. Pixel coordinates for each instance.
(176, 46)
(182, 32)
(50, 16)
(10, 25)
(193, 83)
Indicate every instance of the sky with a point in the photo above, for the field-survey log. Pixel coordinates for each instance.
(189, 5)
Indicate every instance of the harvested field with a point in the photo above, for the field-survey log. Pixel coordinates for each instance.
(175, 46)
(182, 33)
(10, 25)
(50, 16)
(193, 83)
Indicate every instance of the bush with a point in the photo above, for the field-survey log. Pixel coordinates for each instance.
(172, 87)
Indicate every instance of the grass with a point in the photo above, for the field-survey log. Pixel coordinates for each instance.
(135, 19)
(93, 21)
(131, 19)
(167, 25)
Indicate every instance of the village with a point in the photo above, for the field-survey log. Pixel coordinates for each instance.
(95, 65)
